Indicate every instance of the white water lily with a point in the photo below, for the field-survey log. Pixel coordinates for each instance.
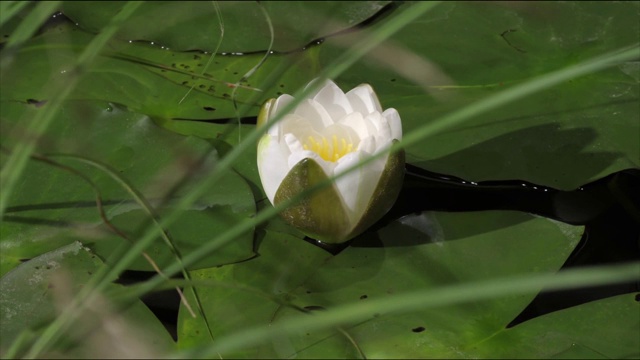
(326, 133)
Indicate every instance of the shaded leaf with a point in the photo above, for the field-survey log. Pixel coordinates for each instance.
(197, 25)
(31, 292)
(562, 137)
(53, 206)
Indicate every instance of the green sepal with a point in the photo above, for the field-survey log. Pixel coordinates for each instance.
(385, 194)
(321, 215)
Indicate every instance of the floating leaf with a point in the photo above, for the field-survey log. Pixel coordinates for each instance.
(53, 205)
(459, 53)
(31, 292)
(416, 252)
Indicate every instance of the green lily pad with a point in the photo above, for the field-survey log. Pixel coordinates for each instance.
(603, 329)
(163, 84)
(32, 295)
(238, 26)
(239, 295)
(53, 206)
(438, 249)
(562, 137)
(416, 252)
(482, 47)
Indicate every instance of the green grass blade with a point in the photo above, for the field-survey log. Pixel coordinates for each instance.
(445, 122)
(8, 9)
(29, 25)
(17, 161)
(52, 332)
(520, 91)
(225, 163)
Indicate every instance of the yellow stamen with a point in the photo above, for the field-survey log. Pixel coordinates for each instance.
(329, 149)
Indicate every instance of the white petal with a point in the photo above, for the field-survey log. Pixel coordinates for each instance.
(383, 130)
(364, 99)
(281, 102)
(368, 145)
(298, 126)
(293, 143)
(357, 123)
(371, 172)
(382, 144)
(336, 112)
(349, 184)
(393, 119)
(314, 113)
(313, 82)
(356, 188)
(272, 164)
(334, 101)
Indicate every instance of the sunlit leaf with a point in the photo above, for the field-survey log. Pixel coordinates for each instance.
(239, 295)
(417, 252)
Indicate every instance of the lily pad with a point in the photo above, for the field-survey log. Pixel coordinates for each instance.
(462, 52)
(164, 84)
(252, 292)
(606, 328)
(416, 252)
(34, 292)
(237, 26)
(456, 54)
(54, 205)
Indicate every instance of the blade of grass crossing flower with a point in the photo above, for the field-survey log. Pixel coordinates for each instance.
(225, 164)
(465, 113)
(227, 161)
(461, 115)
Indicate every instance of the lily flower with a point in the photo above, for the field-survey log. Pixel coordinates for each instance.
(326, 133)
